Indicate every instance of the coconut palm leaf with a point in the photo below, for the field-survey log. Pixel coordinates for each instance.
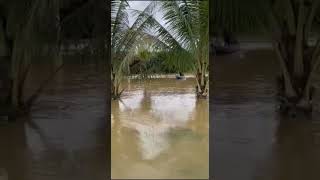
(178, 17)
(183, 38)
(119, 20)
(161, 32)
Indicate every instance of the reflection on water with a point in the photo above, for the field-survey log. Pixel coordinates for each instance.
(250, 139)
(64, 138)
(160, 130)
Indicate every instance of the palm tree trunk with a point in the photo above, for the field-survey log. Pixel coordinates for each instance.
(298, 61)
(310, 19)
(307, 93)
(115, 85)
(202, 81)
(297, 92)
(15, 63)
(288, 86)
(58, 60)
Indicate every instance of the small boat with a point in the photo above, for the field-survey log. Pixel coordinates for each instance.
(225, 45)
(226, 49)
(180, 76)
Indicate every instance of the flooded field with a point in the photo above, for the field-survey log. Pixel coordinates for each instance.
(250, 140)
(64, 138)
(160, 130)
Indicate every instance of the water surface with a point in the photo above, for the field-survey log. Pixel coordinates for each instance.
(250, 140)
(64, 137)
(160, 130)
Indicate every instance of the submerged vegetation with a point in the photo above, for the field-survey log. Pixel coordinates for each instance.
(291, 25)
(26, 35)
(33, 31)
(180, 45)
(176, 44)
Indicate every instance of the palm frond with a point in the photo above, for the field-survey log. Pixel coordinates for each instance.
(119, 20)
(150, 23)
(180, 21)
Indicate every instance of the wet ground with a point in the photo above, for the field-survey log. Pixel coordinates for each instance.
(250, 140)
(64, 137)
(160, 131)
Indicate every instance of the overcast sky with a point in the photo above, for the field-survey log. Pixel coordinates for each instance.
(140, 5)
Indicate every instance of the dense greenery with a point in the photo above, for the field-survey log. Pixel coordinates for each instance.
(188, 22)
(181, 44)
(124, 43)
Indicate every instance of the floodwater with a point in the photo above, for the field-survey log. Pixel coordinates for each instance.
(249, 139)
(64, 137)
(160, 131)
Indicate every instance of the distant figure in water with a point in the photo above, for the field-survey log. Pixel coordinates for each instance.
(180, 76)
(229, 38)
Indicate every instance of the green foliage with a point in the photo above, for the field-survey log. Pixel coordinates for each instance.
(178, 61)
(184, 37)
(180, 45)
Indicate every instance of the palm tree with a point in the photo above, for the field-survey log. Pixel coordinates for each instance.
(126, 41)
(291, 25)
(28, 30)
(185, 38)
(141, 61)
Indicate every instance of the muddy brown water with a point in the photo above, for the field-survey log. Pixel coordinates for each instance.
(64, 138)
(160, 131)
(250, 140)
